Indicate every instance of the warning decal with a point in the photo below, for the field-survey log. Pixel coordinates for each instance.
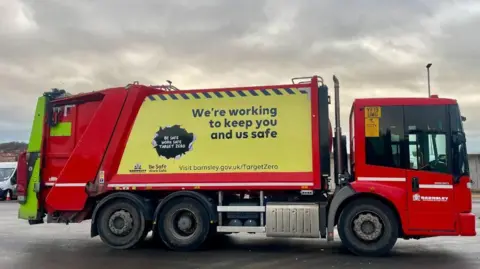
(372, 122)
(372, 128)
(373, 112)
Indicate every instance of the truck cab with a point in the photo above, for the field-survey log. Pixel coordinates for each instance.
(413, 151)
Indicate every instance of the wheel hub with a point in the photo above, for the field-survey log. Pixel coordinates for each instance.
(367, 226)
(120, 223)
(185, 223)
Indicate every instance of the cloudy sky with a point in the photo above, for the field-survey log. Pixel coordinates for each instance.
(376, 48)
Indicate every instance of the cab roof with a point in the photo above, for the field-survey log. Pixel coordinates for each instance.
(397, 101)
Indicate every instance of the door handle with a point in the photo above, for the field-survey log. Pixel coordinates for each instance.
(415, 184)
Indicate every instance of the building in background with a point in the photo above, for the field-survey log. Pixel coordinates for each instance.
(9, 151)
(474, 165)
(8, 157)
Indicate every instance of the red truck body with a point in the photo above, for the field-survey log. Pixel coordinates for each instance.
(102, 129)
(78, 170)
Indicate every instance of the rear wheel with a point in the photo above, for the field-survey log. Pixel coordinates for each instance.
(368, 228)
(121, 224)
(183, 224)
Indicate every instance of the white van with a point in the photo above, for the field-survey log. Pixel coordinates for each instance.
(8, 180)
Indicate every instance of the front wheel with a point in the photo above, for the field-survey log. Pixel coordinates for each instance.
(368, 228)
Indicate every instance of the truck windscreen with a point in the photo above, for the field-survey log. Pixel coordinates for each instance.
(5, 173)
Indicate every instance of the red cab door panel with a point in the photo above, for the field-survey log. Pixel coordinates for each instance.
(430, 201)
(431, 204)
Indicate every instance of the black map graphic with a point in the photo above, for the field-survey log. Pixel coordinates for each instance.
(172, 141)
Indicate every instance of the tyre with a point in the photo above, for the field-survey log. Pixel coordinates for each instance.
(368, 227)
(121, 224)
(183, 224)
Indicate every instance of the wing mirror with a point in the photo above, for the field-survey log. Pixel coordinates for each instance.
(459, 138)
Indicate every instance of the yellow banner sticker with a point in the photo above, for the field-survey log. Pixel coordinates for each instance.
(373, 112)
(372, 127)
(221, 132)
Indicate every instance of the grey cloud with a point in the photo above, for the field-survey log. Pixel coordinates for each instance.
(377, 47)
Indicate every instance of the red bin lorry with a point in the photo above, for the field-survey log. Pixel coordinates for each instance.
(190, 164)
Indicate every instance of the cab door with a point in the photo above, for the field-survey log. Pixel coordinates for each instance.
(429, 175)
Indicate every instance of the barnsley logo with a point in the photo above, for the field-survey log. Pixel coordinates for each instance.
(417, 197)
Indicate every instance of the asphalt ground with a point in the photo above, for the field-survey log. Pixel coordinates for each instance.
(52, 246)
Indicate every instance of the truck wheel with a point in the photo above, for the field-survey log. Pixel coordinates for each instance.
(368, 228)
(183, 224)
(121, 225)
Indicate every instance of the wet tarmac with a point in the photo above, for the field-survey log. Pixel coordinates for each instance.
(52, 246)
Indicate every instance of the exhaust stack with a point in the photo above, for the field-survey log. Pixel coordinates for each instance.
(338, 133)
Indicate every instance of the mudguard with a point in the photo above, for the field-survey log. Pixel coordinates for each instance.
(340, 196)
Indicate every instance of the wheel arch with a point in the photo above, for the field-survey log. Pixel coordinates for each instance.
(143, 204)
(373, 196)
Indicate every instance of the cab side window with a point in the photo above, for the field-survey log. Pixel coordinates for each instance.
(384, 136)
(427, 138)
